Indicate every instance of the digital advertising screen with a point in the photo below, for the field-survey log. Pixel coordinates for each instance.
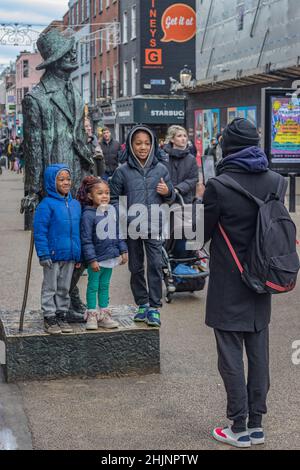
(281, 128)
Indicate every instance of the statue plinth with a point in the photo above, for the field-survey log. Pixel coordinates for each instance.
(35, 355)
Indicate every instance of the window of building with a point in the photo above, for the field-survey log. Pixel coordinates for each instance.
(125, 27)
(81, 54)
(25, 69)
(100, 43)
(115, 82)
(77, 13)
(133, 76)
(115, 33)
(25, 90)
(94, 7)
(85, 88)
(107, 3)
(87, 55)
(102, 85)
(95, 89)
(107, 79)
(100, 6)
(19, 96)
(133, 22)
(82, 10)
(107, 39)
(87, 9)
(93, 48)
(125, 78)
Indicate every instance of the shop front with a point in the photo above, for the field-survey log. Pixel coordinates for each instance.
(158, 113)
(209, 111)
(208, 123)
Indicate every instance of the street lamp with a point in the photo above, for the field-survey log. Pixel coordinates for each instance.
(185, 77)
(186, 82)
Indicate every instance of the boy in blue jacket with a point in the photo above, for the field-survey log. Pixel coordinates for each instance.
(57, 242)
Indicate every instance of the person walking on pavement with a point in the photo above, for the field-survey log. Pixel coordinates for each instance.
(239, 316)
(110, 148)
(57, 242)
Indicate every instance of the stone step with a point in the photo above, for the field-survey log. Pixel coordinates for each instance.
(35, 355)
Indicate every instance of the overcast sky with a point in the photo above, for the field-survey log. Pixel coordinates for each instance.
(28, 11)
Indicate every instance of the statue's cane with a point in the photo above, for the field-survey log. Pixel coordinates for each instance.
(27, 204)
(25, 296)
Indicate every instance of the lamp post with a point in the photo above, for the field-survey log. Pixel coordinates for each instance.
(185, 77)
(186, 83)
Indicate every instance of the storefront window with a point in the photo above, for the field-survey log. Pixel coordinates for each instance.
(247, 112)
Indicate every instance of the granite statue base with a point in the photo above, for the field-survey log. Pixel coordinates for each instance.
(35, 355)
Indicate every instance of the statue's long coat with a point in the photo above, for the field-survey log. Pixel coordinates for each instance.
(53, 133)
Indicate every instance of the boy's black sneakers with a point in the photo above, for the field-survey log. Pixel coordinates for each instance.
(62, 323)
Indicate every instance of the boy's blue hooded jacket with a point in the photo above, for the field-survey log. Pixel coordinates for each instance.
(57, 222)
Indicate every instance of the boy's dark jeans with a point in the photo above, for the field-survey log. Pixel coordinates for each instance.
(244, 400)
(153, 249)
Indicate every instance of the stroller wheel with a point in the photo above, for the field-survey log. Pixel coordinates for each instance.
(168, 298)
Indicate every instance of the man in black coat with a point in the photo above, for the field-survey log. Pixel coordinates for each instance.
(110, 148)
(239, 316)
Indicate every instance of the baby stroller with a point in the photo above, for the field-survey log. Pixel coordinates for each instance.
(184, 270)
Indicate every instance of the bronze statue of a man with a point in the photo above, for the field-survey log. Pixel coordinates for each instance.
(54, 127)
(54, 118)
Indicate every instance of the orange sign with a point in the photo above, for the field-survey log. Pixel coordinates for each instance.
(153, 56)
(178, 23)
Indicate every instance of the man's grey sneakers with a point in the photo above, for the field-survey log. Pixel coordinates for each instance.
(51, 325)
(236, 439)
(257, 436)
(105, 320)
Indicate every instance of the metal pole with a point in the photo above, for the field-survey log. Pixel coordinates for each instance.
(292, 195)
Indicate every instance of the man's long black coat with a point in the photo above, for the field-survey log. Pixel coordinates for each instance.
(231, 305)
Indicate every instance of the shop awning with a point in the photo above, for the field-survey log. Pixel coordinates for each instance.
(252, 78)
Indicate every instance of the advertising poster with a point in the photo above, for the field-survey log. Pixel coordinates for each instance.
(198, 134)
(207, 126)
(168, 31)
(285, 129)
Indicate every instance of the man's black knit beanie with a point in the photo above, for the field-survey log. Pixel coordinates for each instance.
(237, 135)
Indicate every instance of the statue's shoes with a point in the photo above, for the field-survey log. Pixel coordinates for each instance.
(75, 317)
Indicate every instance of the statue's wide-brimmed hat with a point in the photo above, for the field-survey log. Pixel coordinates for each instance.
(53, 46)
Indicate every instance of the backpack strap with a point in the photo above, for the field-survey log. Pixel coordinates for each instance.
(231, 249)
(230, 183)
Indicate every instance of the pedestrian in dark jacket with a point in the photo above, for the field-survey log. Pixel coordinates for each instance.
(182, 165)
(57, 243)
(145, 181)
(102, 254)
(110, 148)
(239, 316)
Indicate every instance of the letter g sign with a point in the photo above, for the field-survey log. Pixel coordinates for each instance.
(153, 57)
